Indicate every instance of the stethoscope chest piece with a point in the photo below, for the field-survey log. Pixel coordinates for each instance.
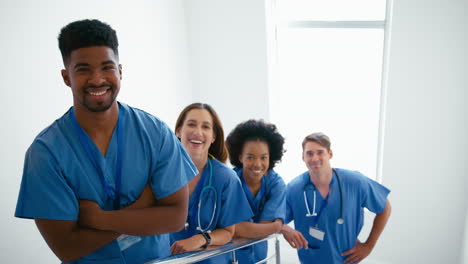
(340, 221)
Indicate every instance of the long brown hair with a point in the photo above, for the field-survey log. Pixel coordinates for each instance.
(218, 148)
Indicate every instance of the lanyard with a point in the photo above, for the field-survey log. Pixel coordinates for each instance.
(195, 199)
(325, 202)
(94, 159)
(256, 202)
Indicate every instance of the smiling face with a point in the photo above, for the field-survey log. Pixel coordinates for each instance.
(316, 157)
(255, 159)
(93, 74)
(196, 133)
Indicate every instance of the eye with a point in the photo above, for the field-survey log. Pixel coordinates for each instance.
(82, 69)
(108, 67)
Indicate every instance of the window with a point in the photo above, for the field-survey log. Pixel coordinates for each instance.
(326, 72)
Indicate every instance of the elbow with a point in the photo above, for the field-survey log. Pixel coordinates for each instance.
(178, 223)
(66, 257)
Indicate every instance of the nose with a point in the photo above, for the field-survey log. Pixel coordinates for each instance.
(257, 163)
(96, 78)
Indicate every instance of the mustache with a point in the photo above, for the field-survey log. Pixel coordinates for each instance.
(104, 85)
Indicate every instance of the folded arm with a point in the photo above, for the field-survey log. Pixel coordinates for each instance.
(69, 241)
(164, 216)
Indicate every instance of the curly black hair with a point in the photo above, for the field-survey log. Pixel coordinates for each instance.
(255, 130)
(86, 33)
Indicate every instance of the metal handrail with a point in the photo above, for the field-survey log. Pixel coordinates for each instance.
(213, 251)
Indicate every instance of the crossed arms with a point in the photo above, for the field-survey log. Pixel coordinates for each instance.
(70, 240)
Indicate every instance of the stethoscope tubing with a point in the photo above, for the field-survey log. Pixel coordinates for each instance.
(205, 189)
(308, 214)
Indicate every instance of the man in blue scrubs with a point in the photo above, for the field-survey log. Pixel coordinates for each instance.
(327, 204)
(90, 177)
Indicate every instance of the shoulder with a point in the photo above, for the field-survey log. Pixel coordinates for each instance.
(354, 178)
(224, 174)
(53, 137)
(297, 183)
(143, 123)
(273, 178)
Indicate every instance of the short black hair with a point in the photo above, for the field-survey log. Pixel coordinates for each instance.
(251, 130)
(86, 33)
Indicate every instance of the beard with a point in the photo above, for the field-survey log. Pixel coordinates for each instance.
(99, 106)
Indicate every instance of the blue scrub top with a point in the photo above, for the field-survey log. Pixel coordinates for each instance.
(232, 206)
(58, 173)
(359, 192)
(267, 206)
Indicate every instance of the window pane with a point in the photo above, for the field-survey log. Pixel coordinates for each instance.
(329, 81)
(330, 10)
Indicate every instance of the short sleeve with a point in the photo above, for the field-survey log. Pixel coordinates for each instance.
(275, 205)
(172, 168)
(374, 195)
(234, 205)
(44, 191)
(289, 212)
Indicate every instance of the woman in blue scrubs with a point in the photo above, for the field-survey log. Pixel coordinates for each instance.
(214, 192)
(254, 149)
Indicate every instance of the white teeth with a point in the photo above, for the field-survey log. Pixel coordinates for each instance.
(97, 94)
(196, 141)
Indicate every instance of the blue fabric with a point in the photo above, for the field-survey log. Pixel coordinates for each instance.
(270, 208)
(359, 192)
(58, 172)
(232, 206)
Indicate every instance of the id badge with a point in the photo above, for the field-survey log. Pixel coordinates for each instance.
(126, 241)
(316, 233)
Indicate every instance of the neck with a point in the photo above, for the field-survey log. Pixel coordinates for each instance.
(97, 123)
(321, 178)
(253, 183)
(200, 162)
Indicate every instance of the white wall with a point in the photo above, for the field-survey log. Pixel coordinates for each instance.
(153, 51)
(227, 43)
(425, 145)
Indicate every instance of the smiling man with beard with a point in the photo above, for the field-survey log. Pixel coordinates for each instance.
(90, 178)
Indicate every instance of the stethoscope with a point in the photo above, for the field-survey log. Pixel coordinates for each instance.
(340, 220)
(207, 188)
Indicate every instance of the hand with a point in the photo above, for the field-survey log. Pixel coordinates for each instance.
(190, 244)
(294, 238)
(359, 252)
(89, 214)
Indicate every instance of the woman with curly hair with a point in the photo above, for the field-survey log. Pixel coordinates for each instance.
(255, 147)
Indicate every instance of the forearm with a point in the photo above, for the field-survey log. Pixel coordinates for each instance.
(72, 244)
(258, 230)
(222, 236)
(378, 226)
(143, 221)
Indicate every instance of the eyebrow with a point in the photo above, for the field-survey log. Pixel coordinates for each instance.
(251, 154)
(83, 64)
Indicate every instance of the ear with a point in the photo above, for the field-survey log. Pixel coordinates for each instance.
(330, 152)
(120, 71)
(177, 132)
(240, 158)
(303, 156)
(65, 77)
